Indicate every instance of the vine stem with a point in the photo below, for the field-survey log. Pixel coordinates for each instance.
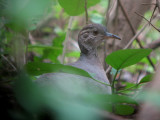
(113, 82)
(86, 11)
(66, 39)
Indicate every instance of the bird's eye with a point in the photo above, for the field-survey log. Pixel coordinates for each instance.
(95, 32)
(85, 35)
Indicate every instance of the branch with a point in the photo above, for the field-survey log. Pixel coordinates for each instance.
(86, 11)
(148, 21)
(135, 37)
(9, 62)
(148, 4)
(154, 44)
(134, 31)
(66, 39)
(153, 13)
(157, 5)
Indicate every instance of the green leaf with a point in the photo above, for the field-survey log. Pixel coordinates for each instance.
(38, 68)
(76, 7)
(124, 58)
(73, 54)
(121, 109)
(53, 54)
(113, 99)
(147, 78)
(50, 52)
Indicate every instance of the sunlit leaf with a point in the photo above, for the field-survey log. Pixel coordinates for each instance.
(73, 54)
(53, 54)
(76, 7)
(124, 58)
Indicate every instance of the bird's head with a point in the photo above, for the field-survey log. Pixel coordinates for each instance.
(91, 36)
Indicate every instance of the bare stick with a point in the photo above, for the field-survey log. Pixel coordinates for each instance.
(108, 69)
(66, 39)
(148, 4)
(153, 13)
(135, 36)
(148, 21)
(134, 31)
(86, 11)
(153, 45)
(158, 4)
(9, 62)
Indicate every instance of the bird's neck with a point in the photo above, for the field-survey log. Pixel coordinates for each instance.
(90, 56)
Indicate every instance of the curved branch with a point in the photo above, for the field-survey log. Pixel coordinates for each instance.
(154, 44)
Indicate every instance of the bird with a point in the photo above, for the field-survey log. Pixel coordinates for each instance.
(90, 38)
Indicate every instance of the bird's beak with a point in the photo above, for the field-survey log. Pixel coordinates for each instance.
(110, 35)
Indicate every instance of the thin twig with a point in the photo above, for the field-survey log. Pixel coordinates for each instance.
(158, 4)
(148, 4)
(153, 12)
(153, 45)
(148, 21)
(107, 19)
(108, 69)
(135, 36)
(134, 31)
(86, 11)
(9, 62)
(66, 39)
(107, 12)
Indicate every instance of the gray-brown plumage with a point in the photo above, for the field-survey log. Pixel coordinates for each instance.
(89, 38)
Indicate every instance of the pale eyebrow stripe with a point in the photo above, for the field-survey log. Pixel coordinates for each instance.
(84, 31)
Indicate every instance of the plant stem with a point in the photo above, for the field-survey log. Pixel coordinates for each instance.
(113, 82)
(66, 39)
(86, 11)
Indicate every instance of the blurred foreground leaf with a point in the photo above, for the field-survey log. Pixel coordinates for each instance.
(151, 96)
(36, 99)
(28, 94)
(21, 13)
